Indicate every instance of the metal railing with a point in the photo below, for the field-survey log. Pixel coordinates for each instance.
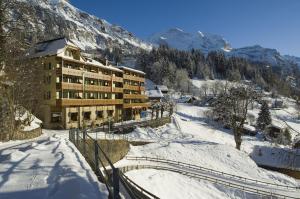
(111, 176)
(223, 182)
(205, 169)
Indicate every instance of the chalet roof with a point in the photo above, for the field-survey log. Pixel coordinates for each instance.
(154, 93)
(131, 69)
(50, 47)
(99, 64)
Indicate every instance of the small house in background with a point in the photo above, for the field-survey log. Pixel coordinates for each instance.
(164, 89)
(278, 103)
(249, 130)
(154, 95)
(187, 99)
(274, 130)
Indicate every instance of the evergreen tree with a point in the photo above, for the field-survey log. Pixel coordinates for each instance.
(264, 117)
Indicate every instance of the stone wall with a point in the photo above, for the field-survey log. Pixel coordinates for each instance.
(22, 135)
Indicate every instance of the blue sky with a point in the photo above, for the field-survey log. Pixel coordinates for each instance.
(269, 23)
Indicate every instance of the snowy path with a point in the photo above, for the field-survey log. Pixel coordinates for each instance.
(47, 167)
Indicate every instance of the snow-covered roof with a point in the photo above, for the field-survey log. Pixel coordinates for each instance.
(154, 94)
(162, 87)
(150, 85)
(50, 47)
(99, 64)
(131, 69)
(249, 127)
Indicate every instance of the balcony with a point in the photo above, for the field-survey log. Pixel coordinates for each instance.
(117, 79)
(134, 96)
(134, 78)
(117, 90)
(79, 73)
(136, 105)
(97, 88)
(70, 86)
(79, 87)
(88, 102)
(134, 88)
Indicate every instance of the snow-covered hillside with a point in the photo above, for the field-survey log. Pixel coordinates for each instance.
(192, 140)
(58, 17)
(177, 38)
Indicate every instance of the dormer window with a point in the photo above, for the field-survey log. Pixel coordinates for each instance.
(68, 53)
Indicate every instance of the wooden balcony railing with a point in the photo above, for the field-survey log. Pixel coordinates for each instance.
(88, 102)
(134, 96)
(117, 90)
(117, 79)
(97, 88)
(134, 88)
(79, 73)
(134, 78)
(70, 86)
(79, 87)
(136, 105)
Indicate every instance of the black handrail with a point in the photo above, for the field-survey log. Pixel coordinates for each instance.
(111, 180)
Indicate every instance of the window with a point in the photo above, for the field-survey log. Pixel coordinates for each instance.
(73, 117)
(55, 117)
(50, 66)
(86, 115)
(58, 79)
(58, 95)
(110, 113)
(99, 114)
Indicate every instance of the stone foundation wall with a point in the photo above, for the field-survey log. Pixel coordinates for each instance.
(22, 135)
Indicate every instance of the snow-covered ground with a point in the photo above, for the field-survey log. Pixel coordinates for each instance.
(190, 138)
(47, 167)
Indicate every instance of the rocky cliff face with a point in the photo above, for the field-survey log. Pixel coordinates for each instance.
(46, 19)
(206, 42)
(177, 38)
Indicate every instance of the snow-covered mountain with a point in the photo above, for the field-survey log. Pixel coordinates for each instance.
(257, 53)
(206, 42)
(52, 18)
(177, 38)
(46, 19)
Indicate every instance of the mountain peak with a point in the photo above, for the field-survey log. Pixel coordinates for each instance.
(177, 38)
(60, 18)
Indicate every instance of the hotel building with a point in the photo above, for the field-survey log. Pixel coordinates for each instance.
(80, 91)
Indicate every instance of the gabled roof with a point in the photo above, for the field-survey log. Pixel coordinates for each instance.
(162, 87)
(154, 94)
(131, 69)
(50, 47)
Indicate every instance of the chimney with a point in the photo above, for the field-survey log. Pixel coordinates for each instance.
(106, 62)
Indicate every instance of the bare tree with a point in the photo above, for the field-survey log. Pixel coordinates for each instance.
(231, 109)
(204, 89)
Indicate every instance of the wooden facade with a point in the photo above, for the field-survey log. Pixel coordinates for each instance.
(80, 91)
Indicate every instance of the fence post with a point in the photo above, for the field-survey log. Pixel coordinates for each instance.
(96, 158)
(116, 183)
(84, 138)
(77, 138)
